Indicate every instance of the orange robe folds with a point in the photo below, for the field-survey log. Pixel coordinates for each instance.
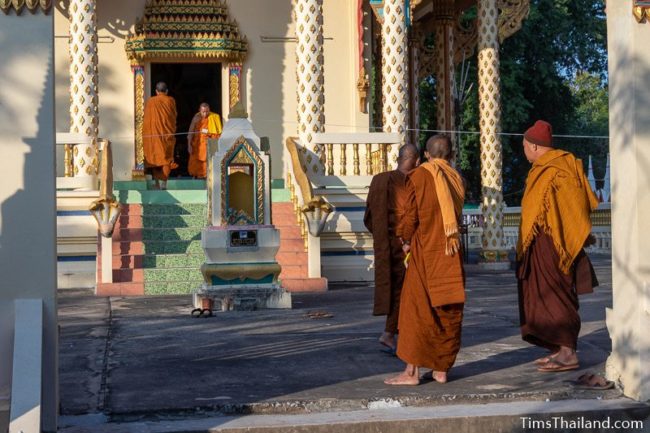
(158, 131)
(385, 199)
(204, 128)
(553, 268)
(433, 294)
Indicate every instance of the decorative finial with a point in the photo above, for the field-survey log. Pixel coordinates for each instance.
(238, 111)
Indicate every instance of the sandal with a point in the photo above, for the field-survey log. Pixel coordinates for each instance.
(555, 366)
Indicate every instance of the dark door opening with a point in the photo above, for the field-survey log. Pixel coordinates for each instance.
(190, 84)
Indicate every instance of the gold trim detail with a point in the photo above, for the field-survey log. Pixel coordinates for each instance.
(187, 29)
(259, 169)
(138, 80)
(234, 82)
(641, 11)
(33, 6)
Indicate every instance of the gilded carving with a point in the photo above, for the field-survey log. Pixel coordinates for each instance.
(234, 83)
(641, 10)
(33, 6)
(138, 76)
(188, 29)
(242, 146)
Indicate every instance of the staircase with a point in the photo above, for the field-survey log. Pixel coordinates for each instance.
(157, 241)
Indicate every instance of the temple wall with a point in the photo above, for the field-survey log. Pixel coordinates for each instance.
(628, 320)
(269, 81)
(27, 197)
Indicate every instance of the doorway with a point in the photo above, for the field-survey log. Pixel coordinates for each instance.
(190, 84)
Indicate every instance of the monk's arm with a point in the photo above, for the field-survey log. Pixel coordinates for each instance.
(190, 133)
(407, 214)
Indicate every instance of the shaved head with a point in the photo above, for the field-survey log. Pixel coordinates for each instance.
(161, 87)
(439, 146)
(408, 151)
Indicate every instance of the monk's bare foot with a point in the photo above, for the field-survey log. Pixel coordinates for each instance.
(438, 376)
(410, 376)
(388, 339)
(545, 359)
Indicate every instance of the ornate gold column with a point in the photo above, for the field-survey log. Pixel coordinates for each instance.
(138, 109)
(234, 84)
(83, 84)
(310, 74)
(416, 40)
(444, 67)
(493, 253)
(394, 65)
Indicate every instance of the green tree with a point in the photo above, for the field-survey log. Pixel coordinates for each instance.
(554, 69)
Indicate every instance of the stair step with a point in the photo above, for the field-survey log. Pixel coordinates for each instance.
(128, 275)
(157, 247)
(292, 244)
(160, 261)
(120, 289)
(172, 184)
(165, 209)
(294, 271)
(305, 284)
(161, 234)
(172, 275)
(162, 197)
(172, 288)
(291, 258)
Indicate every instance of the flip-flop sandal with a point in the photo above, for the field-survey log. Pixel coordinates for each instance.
(387, 349)
(545, 360)
(555, 366)
(592, 382)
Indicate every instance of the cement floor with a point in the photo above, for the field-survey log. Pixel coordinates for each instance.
(127, 359)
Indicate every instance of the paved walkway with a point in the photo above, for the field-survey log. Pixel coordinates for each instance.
(129, 358)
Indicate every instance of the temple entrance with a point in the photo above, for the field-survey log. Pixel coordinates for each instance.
(190, 84)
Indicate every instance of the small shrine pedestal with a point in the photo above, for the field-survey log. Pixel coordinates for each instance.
(240, 244)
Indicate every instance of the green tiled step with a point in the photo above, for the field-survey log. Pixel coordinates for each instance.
(167, 261)
(162, 197)
(173, 221)
(172, 288)
(172, 184)
(172, 275)
(172, 247)
(200, 209)
(171, 234)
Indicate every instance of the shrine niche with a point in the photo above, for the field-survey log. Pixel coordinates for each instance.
(183, 32)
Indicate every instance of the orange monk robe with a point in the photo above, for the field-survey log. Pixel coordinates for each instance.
(553, 268)
(204, 128)
(385, 200)
(433, 294)
(158, 131)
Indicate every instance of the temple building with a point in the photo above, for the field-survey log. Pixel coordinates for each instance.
(329, 86)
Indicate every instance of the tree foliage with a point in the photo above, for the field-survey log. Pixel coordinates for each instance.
(554, 69)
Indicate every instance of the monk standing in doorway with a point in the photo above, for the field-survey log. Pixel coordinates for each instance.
(433, 294)
(205, 124)
(553, 268)
(158, 137)
(385, 196)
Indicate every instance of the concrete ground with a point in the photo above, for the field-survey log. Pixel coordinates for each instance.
(135, 360)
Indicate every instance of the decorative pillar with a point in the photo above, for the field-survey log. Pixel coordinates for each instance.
(138, 110)
(310, 74)
(234, 84)
(416, 40)
(83, 84)
(444, 69)
(493, 252)
(394, 68)
(311, 101)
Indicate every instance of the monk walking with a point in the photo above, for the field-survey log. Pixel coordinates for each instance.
(385, 196)
(158, 138)
(205, 124)
(553, 268)
(433, 294)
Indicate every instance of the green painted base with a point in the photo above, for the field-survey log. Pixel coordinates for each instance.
(240, 274)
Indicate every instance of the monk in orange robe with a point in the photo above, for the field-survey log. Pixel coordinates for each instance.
(552, 268)
(385, 196)
(205, 125)
(158, 139)
(433, 294)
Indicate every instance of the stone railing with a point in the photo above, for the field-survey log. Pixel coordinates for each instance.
(71, 180)
(600, 220)
(356, 154)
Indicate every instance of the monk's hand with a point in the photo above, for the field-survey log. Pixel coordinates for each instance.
(453, 245)
(189, 148)
(406, 247)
